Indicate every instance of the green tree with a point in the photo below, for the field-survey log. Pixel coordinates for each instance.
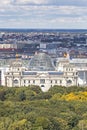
(43, 121)
(22, 96)
(21, 125)
(2, 95)
(82, 125)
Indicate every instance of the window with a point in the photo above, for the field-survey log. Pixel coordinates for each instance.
(24, 81)
(55, 81)
(69, 69)
(28, 81)
(69, 81)
(60, 81)
(66, 69)
(42, 81)
(51, 81)
(42, 86)
(72, 69)
(15, 81)
(34, 81)
(76, 73)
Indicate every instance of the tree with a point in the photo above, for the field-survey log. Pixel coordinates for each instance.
(2, 95)
(43, 122)
(22, 96)
(82, 125)
(21, 125)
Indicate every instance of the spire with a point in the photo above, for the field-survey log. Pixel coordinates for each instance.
(66, 55)
(16, 56)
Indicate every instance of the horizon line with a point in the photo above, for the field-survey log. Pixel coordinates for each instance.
(48, 28)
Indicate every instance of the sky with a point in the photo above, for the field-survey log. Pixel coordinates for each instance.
(43, 14)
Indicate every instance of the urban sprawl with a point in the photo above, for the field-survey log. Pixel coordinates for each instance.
(43, 58)
(25, 44)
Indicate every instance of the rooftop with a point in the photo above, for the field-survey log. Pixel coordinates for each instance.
(41, 62)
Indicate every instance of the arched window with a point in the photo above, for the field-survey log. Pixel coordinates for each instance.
(15, 81)
(42, 86)
(42, 81)
(69, 81)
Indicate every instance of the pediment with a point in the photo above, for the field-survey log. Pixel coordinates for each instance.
(43, 75)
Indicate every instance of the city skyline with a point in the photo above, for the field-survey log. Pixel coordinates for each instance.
(50, 14)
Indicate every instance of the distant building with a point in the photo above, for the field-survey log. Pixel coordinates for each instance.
(8, 45)
(42, 45)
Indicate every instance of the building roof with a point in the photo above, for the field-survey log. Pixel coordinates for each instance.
(79, 60)
(16, 63)
(41, 62)
(56, 73)
(29, 73)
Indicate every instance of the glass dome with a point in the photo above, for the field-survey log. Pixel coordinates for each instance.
(41, 62)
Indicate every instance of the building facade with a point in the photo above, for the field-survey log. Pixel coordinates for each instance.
(42, 72)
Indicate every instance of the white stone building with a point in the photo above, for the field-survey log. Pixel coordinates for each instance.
(42, 72)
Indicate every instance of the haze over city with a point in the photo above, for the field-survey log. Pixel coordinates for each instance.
(50, 14)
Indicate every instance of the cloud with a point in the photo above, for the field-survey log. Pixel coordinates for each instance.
(46, 12)
(68, 2)
(52, 2)
(45, 2)
(43, 13)
(5, 2)
(31, 2)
